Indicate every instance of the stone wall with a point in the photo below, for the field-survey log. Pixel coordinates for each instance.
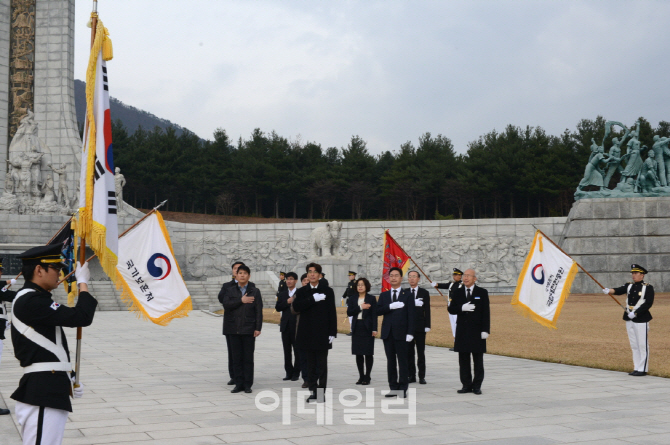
(607, 235)
(4, 85)
(496, 248)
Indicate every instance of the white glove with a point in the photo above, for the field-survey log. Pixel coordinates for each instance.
(330, 339)
(418, 302)
(409, 337)
(427, 329)
(485, 335)
(12, 281)
(434, 284)
(319, 297)
(82, 273)
(397, 305)
(606, 290)
(78, 391)
(631, 315)
(468, 307)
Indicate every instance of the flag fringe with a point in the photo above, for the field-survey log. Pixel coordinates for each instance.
(166, 235)
(133, 305)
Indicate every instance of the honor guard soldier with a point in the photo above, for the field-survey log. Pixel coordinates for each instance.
(43, 395)
(348, 292)
(451, 286)
(282, 283)
(640, 297)
(6, 296)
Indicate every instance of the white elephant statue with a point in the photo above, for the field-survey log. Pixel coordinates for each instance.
(325, 241)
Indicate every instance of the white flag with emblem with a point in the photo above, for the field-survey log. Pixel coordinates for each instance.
(544, 283)
(150, 276)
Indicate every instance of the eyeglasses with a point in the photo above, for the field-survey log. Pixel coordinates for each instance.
(56, 268)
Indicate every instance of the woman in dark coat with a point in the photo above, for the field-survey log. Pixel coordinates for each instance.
(363, 309)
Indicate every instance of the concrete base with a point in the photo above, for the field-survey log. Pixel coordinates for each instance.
(606, 236)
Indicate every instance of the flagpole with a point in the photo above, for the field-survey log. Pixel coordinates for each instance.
(580, 266)
(419, 267)
(154, 210)
(82, 247)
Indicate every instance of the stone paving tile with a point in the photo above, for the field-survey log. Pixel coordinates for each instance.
(146, 384)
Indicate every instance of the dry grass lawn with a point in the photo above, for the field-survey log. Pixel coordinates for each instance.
(590, 333)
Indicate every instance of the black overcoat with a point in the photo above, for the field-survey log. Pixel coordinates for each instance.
(245, 318)
(287, 320)
(471, 324)
(318, 320)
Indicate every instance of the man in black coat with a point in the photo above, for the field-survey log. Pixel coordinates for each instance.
(639, 299)
(397, 307)
(471, 304)
(421, 328)
(287, 327)
(40, 345)
(6, 296)
(227, 319)
(317, 329)
(245, 304)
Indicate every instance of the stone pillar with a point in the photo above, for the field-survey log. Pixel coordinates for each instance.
(5, 18)
(54, 85)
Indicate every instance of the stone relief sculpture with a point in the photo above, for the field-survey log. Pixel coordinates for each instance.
(29, 187)
(325, 241)
(641, 176)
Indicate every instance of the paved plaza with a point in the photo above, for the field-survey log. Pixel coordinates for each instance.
(147, 384)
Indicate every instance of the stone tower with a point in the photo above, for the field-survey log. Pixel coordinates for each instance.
(37, 74)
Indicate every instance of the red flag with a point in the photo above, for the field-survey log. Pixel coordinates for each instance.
(394, 256)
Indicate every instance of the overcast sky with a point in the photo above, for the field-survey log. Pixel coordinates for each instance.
(387, 71)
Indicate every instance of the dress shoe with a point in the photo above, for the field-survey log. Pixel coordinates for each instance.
(451, 349)
(411, 380)
(477, 391)
(422, 381)
(287, 378)
(392, 393)
(231, 382)
(305, 385)
(4, 412)
(464, 390)
(237, 389)
(639, 374)
(632, 373)
(360, 381)
(366, 380)
(350, 334)
(295, 379)
(311, 399)
(247, 390)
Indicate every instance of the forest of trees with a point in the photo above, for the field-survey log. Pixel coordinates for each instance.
(519, 172)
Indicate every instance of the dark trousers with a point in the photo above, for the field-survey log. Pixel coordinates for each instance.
(466, 374)
(291, 365)
(420, 343)
(231, 370)
(317, 365)
(302, 359)
(243, 359)
(396, 351)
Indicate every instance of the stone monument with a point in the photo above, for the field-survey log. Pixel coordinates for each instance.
(37, 111)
